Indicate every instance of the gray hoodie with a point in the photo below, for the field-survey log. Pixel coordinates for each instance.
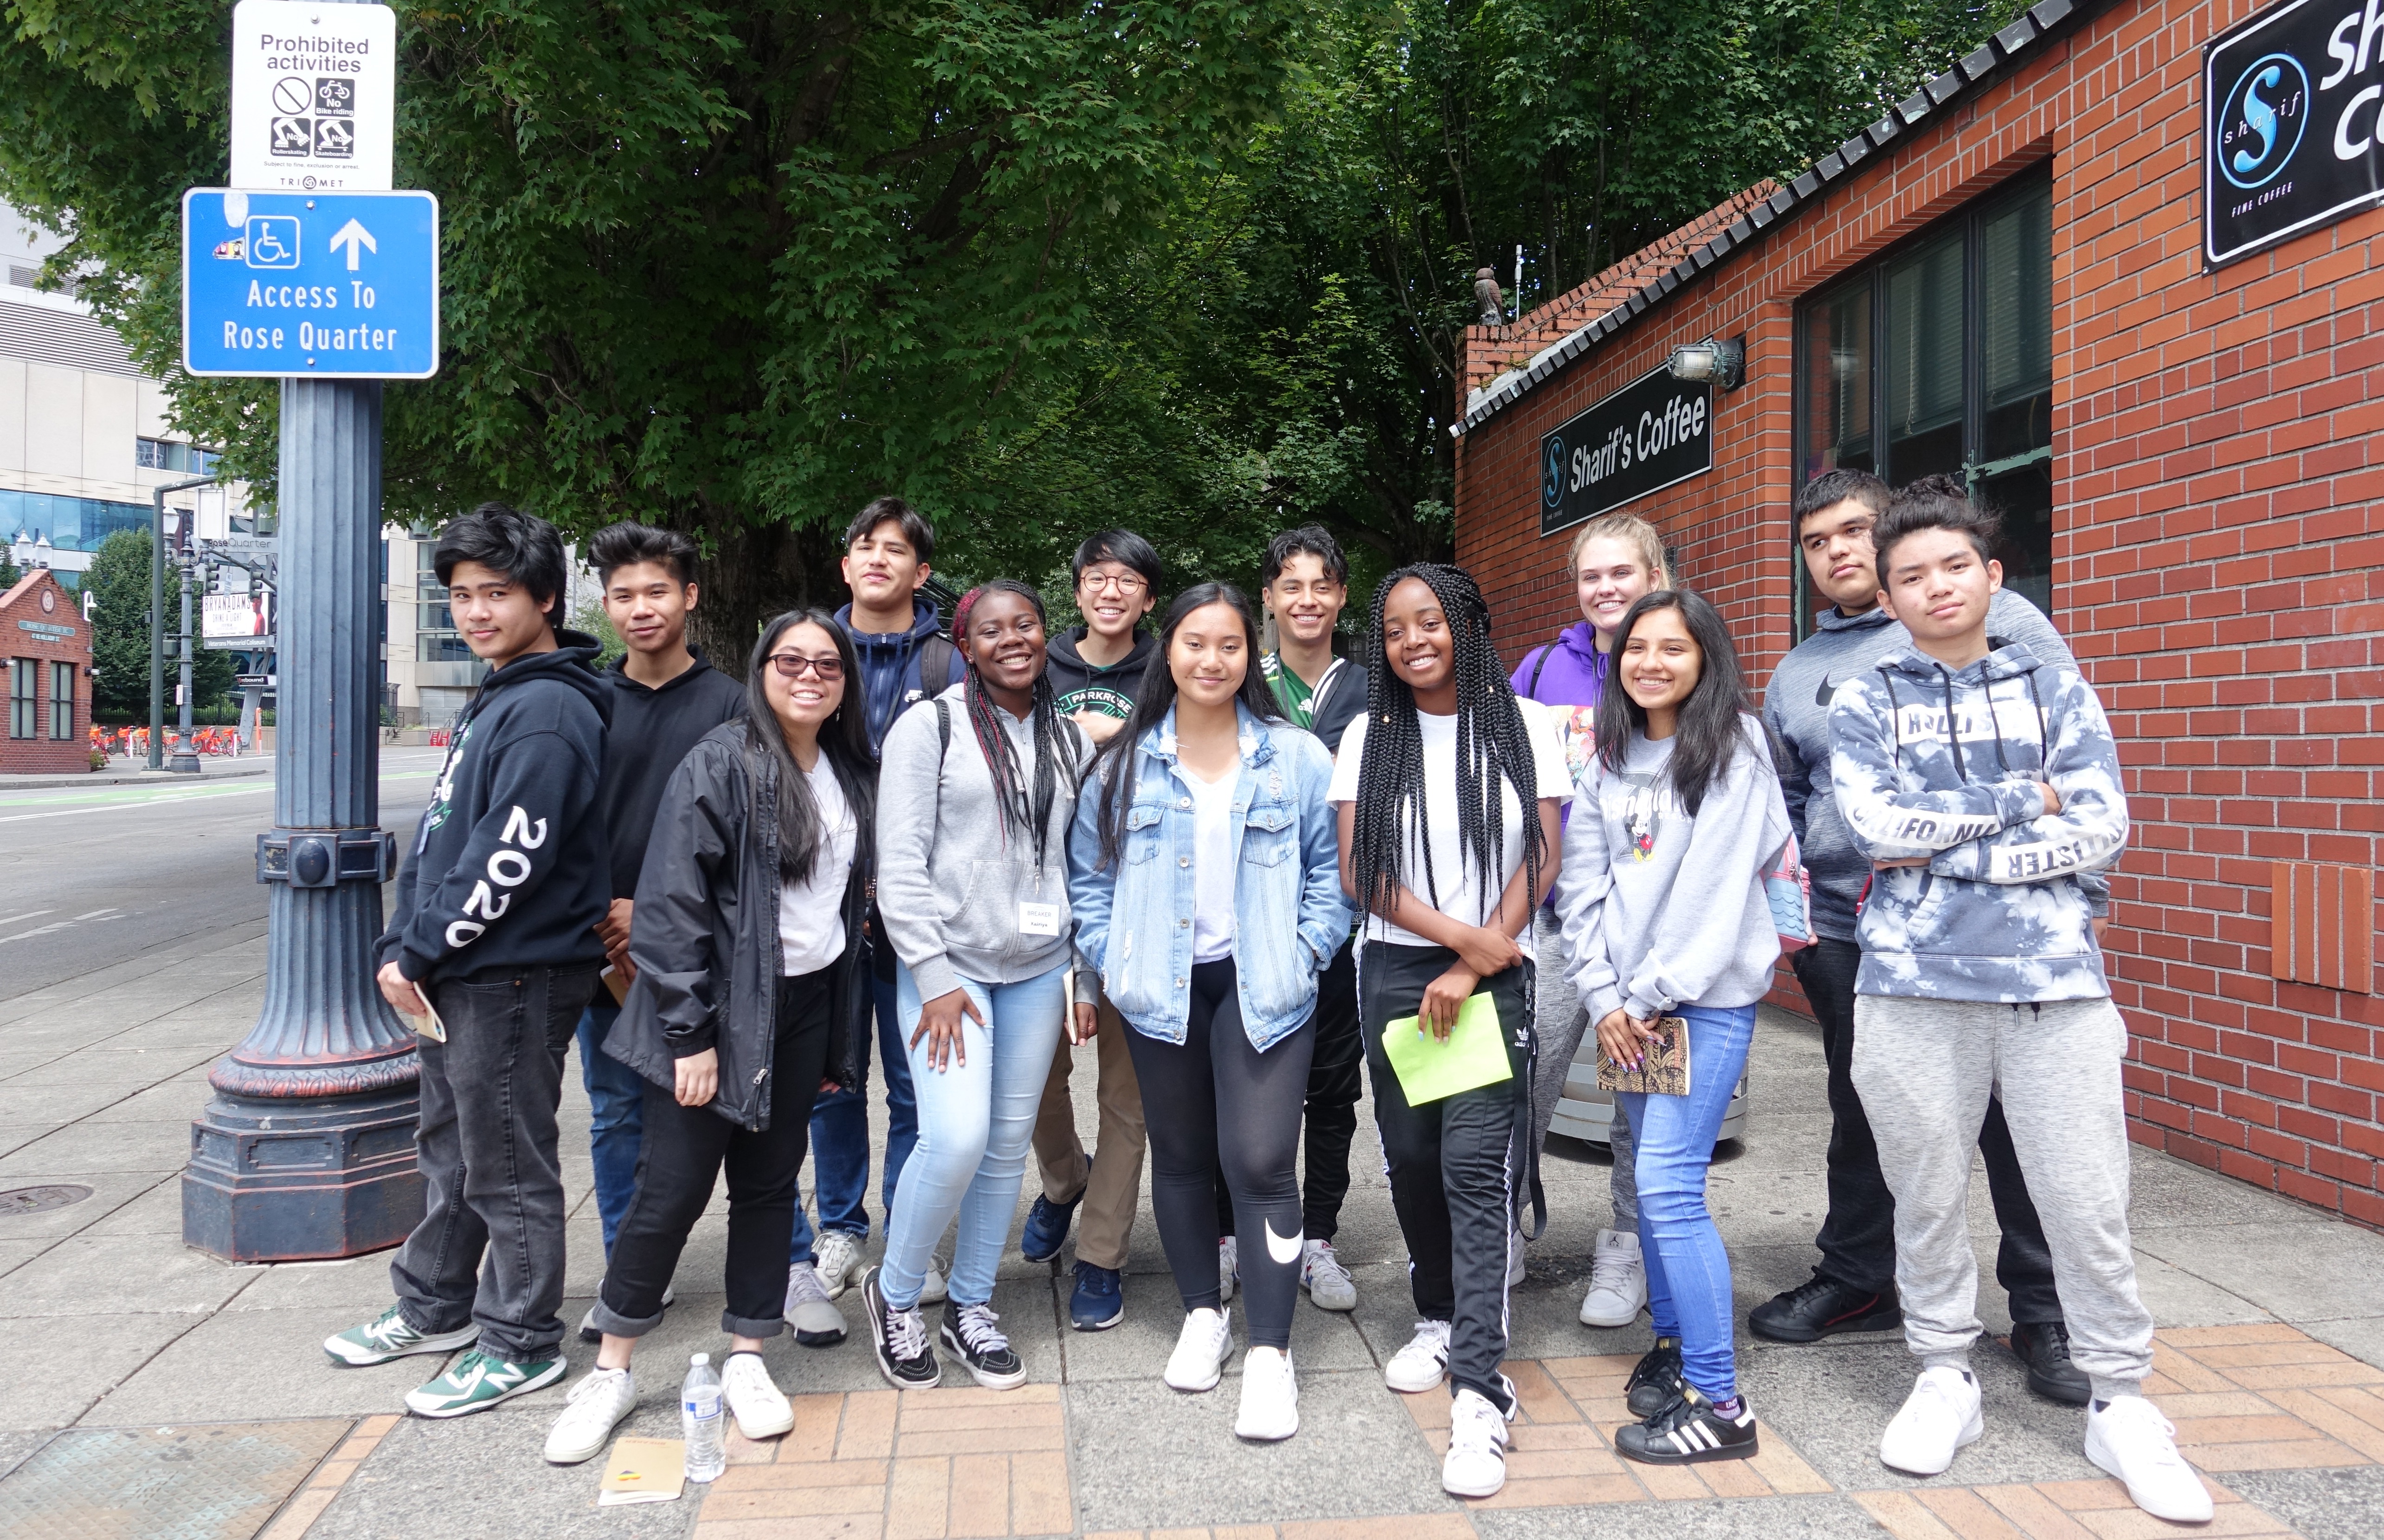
(1661, 909)
(1796, 708)
(949, 878)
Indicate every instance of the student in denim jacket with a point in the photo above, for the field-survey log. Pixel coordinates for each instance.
(1204, 877)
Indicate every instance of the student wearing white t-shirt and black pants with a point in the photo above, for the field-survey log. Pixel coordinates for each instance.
(1449, 793)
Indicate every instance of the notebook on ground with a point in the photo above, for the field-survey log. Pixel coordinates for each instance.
(643, 1470)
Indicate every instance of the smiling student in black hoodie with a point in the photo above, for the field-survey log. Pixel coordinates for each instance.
(495, 926)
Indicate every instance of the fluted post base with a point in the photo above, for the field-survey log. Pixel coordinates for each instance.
(306, 1149)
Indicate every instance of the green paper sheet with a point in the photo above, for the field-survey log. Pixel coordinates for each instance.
(1474, 1056)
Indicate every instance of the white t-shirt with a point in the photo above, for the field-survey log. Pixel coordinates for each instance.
(1453, 872)
(811, 913)
(1212, 865)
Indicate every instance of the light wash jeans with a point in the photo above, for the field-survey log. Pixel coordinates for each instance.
(977, 1120)
(1688, 1272)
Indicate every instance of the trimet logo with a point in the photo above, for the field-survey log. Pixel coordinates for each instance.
(1552, 473)
(2261, 123)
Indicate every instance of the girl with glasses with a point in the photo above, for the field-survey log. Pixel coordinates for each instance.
(749, 991)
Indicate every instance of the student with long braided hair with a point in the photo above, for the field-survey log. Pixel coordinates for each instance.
(978, 792)
(1449, 790)
(1205, 877)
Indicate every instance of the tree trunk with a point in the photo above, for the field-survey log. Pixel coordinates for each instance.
(752, 574)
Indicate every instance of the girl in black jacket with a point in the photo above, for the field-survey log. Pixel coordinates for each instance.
(749, 991)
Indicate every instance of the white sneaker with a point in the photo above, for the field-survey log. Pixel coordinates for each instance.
(1328, 1283)
(816, 1322)
(760, 1411)
(1201, 1349)
(1270, 1397)
(591, 1412)
(1424, 1363)
(1229, 1268)
(837, 1258)
(1939, 1417)
(935, 1292)
(2128, 1437)
(1475, 1465)
(1618, 1281)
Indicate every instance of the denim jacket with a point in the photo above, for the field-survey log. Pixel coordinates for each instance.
(1133, 922)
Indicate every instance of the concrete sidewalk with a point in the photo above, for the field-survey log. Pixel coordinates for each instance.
(124, 771)
(145, 1387)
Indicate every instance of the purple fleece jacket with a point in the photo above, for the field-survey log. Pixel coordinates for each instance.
(1575, 671)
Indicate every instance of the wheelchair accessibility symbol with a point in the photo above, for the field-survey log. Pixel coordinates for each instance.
(272, 240)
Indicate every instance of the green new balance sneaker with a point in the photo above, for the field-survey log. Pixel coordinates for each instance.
(388, 1336)
(479, 1381)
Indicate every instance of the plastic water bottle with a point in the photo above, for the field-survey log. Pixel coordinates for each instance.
(700, 1419)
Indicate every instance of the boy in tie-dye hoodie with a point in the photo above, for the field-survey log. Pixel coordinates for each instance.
(1981, 786)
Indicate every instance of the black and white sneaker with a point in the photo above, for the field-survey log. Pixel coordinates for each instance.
(970, 1333)
(1689, 1431)
(1655, 1379)
(898, 1338)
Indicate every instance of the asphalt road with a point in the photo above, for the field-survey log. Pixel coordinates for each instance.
(93, 877)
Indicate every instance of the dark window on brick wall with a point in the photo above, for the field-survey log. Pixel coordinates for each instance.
(62, 700)
(1938, 359)
(23, 717)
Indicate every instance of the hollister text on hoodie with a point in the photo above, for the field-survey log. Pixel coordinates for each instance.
(1944, 763)
(508, 868)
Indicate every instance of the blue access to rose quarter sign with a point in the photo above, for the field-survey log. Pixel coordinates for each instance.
(337, 286)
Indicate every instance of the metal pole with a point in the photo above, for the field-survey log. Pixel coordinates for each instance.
(158, 615)
(307, 1148)
(186, 757)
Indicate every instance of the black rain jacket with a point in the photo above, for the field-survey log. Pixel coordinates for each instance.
(705, 934)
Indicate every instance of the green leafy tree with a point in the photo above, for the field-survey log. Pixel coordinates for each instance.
(118, 584)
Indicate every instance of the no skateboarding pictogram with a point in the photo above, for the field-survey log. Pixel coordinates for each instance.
(314, 119)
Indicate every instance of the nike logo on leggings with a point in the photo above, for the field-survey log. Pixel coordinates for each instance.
(1284, 1252)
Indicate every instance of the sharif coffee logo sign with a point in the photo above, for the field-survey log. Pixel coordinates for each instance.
(1651, 434)
(2290, 142)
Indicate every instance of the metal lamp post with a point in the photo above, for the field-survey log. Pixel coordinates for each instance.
(157, 631)
(306, 1148)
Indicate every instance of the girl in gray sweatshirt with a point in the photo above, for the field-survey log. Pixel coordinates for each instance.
(1668, 930)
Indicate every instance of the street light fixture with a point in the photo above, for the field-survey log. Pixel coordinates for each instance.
(185, 761)
(1723, 362)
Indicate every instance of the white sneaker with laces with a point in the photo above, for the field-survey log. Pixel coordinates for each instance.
(1328, 1283)
(2128, 1437)
(1202, 1348)
(1939, 1417)
(1475, 1465)
(753, 1400)
(837, 1257)
(1229, 1267)
(1270, 1397)
(1618, 1281)
(934, 1290)
(591, 1412)
(816, 1322)
(1422, 1364)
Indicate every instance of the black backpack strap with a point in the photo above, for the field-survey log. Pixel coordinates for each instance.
(943, 730)
(1532, 685)
(935, 658)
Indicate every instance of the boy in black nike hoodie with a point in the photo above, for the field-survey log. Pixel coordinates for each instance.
(496, 928)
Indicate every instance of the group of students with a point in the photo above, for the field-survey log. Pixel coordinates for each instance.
(1006, 846)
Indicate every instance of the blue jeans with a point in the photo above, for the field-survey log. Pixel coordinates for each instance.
(840, 1136)
(1688, 1272)
(617, 1099)
(977, 1120)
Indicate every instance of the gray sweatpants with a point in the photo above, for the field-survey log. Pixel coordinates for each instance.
(1561, 1024)
(1924, 1069)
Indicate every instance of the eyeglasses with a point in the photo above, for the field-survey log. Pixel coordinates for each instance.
(1126, 584)
(791, 665)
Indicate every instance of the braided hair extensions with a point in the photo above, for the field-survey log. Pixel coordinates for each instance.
(1491, 742)
(1022, 806)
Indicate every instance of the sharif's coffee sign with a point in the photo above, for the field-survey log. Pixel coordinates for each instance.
(1650, 434)
(2294, 102)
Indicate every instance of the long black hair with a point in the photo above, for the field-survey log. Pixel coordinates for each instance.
(1155, 697)
(843, 737)
(1022, 807)
(1713, 720)
(1491, 742)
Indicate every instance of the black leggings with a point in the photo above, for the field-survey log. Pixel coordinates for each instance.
(1337, 1078)
(1214, 1100)
(681, 1157)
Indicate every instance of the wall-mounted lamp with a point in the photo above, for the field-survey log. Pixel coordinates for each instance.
(1723, 362)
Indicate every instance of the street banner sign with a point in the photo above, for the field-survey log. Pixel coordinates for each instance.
(313, 96)
(341, 286)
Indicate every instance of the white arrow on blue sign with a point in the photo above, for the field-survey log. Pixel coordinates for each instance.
(337, 286)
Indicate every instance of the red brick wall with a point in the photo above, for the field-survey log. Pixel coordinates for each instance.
(2218, 555)
(23, 602)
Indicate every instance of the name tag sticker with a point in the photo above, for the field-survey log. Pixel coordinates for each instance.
(1039, 919)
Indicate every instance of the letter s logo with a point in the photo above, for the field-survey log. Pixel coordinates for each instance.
(2270, 107)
